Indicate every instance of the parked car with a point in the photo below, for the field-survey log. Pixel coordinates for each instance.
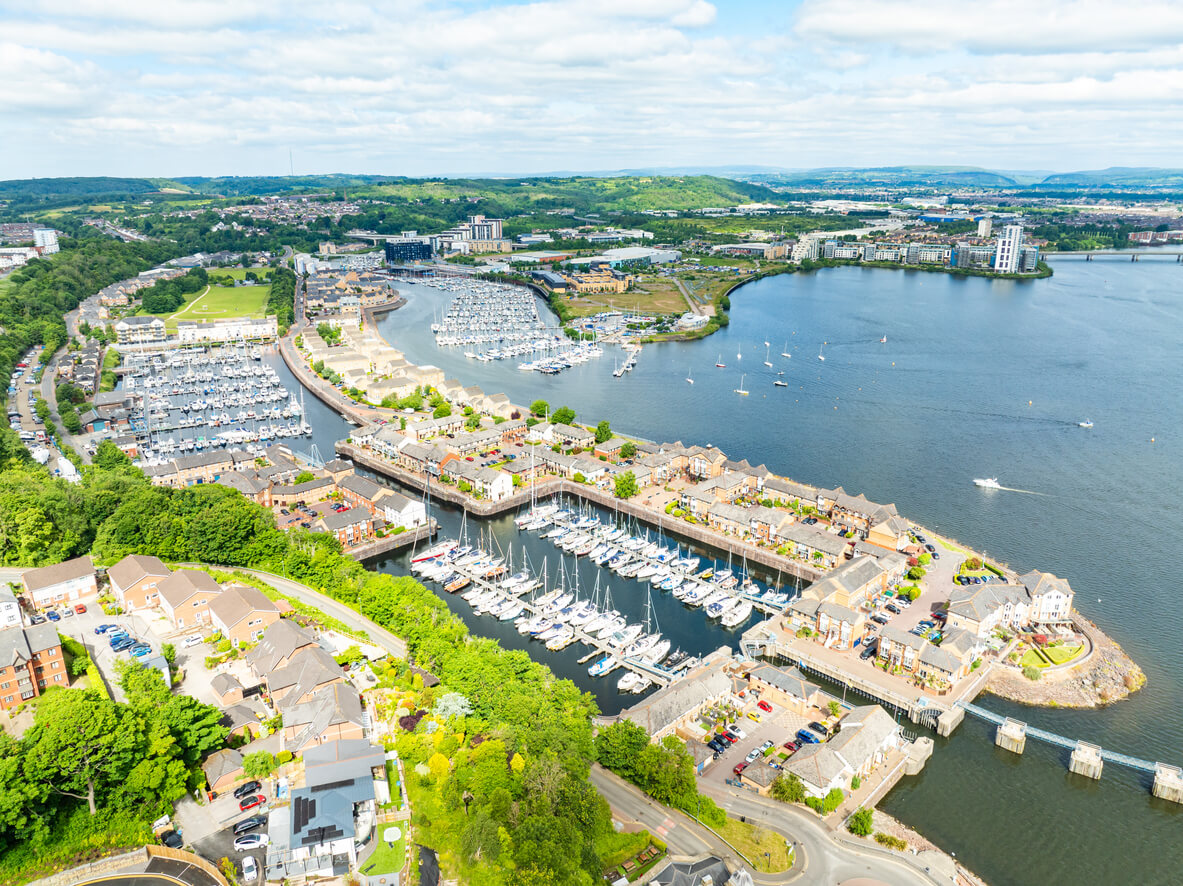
(879, 619)
(808, 737)
(284, 511)
(927, 623)
(250, 841)
(752, 756)
(820, 729)
(764, 706)
(936, 555)
(139, 650)
(930, 549)
(735, 730)
(893, 609)
(868, 650)
(766, 745)
(172, 840)
(728, 737)
(251, 802)
(740, 767)
(36, 619)
(791, 746)
(122, 643)
(251, 787)
(67, 612)
(191, 640)
(753, 715)
(250, 869)
(102, 629)
(53, 616)
(249, 824)
(80, 608)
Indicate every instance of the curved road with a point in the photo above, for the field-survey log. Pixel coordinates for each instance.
(820, 856)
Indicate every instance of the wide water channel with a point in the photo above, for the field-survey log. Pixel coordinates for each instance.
(977, 378)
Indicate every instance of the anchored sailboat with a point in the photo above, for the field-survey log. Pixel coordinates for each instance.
(740, 389)
(767, 362)
(689, 377)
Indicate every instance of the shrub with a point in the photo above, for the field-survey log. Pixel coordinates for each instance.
(259, 764)
(1032, 673)
(890, 842)
(855, 781)
(916, 573)
(973, 564)
(283, 757)
(860, 823)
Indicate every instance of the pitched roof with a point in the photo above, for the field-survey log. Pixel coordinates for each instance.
(334, 705)
(335, 520)
(48, 576)
(183, 584)
(223, 683)
(788, 681)
(816, 764)
(221, 763)
(237, 602)
(277, 645)
(761, 773)
(312, 668)
(367, 489)
(21, 644)
(135, 567)
(667, 705)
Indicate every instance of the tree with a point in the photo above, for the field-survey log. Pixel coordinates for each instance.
(626, 485)
(628, 450)
(564, 415)
(169, 652)
(603, 432)
(834, 708)
(788, 788)
(110, 457)
(861, 822)
(443, 410)
(618, 745)
(260, 764)
(539, 407)
(81, 745)
(304, 477)
(452, 705)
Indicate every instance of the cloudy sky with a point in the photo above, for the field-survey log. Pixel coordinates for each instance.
(421, 87)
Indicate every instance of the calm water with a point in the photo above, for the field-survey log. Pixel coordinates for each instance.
(977, 378)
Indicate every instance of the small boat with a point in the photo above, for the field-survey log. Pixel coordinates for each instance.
(1087, 423)
(689, 377)
(987, 483)
(719, 364)
(820, 355)
(780, 383)
(785, 352)
(767, 362)
(883, 340)
(740, 390)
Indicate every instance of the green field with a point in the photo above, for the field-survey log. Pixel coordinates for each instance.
(239, 273)
(221, 302)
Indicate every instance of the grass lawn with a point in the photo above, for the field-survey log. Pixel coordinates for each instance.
(219, 303)
(660, 296)
(615, 848)
(950, 547)
(238, 273)
(1032, 659)
(1062, 654)
(387, 859)
(753, 842)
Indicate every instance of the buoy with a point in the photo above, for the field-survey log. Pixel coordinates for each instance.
(1151, 439)
(1028, 402)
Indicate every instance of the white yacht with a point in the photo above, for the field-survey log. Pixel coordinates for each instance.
(987, 483)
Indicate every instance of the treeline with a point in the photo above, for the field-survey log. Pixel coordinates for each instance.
(282, 300)
(42, 292)
(92, 773)
(167, 296)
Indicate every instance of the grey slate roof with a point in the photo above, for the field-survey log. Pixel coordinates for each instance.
(790, 681)
(237, 602)
(278, 644)
(221, 763)
(667, 705)
(20, 644)
(183, 584)
(48, 576)
(134, 567)
(333, 705)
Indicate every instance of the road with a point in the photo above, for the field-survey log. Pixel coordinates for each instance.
(396, 646)
(820, 857)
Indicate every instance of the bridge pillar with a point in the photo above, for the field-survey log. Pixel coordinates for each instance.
(950, 720)
(1086, 760)
(1168, 783)
(918, 753)
(1134, 257)
(1012, 736)
(1088, 257)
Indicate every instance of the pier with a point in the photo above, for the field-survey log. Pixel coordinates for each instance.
(657, 674)
(380, 546)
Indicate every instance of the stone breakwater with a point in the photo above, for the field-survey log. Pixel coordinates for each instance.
(1107, 676)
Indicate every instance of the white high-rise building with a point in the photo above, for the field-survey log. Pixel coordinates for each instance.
(1006, 255)
(46, 239)
(985, 225)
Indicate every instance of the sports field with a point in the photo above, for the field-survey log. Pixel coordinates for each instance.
(221, 302)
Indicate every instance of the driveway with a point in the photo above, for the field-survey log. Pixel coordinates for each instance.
(777, 727)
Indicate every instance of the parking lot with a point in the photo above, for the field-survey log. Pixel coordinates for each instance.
(779, 726)
(209, 830)
(299, 515)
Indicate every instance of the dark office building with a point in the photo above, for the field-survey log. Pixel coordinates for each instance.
(399, 252)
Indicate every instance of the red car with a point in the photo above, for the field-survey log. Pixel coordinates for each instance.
(740, 767)
(251, 802)
(764, 706)
(728, 737)
(80, 608)
(791, 746)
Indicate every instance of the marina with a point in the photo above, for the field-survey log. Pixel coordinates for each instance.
(196, 400)
(493, 321)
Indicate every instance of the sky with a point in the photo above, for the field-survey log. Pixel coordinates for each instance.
(163, 88)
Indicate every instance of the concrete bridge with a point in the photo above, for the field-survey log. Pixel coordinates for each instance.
(1131, 254)
(1086, 759)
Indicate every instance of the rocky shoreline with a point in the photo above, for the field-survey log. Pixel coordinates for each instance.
(1109, 675)
(924, 848)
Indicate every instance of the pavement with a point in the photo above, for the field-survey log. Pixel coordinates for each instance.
(819, 856)
(779, 726)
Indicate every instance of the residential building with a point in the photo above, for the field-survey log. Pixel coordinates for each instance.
(785, 688)
(866, 736)
(1006, 255)
(223, 770)
(402, 250)
(134, 579)
(190, 332)
(351, 527)
(678, 705)
(31, 661)
(242, 613)
(139, 330)
(333, 713)
(185, 597)
(46, 240)
(65, 582)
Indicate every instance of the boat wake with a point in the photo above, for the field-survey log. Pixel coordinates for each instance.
(1024, 491)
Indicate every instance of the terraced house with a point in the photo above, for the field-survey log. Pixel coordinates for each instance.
(30, 662)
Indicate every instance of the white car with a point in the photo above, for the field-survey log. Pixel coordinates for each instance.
(250, 841)
(191, 640)
(250, 870)
(737, 732)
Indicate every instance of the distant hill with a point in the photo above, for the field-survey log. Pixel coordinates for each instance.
(1120, 176)
(73, 187)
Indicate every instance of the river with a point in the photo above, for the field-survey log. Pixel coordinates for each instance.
(977, 378)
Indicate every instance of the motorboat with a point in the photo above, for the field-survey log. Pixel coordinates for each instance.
(987, 483)
(1087, 423)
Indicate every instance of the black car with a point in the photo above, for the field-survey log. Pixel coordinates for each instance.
(251, 787)
(249, 824)
(892, 608)
(930, 549)
(879, 619)
(172, 840)
(820, 729)
(868, 651)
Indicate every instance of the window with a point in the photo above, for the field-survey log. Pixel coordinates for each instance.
(56, 665)
(57, 678)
